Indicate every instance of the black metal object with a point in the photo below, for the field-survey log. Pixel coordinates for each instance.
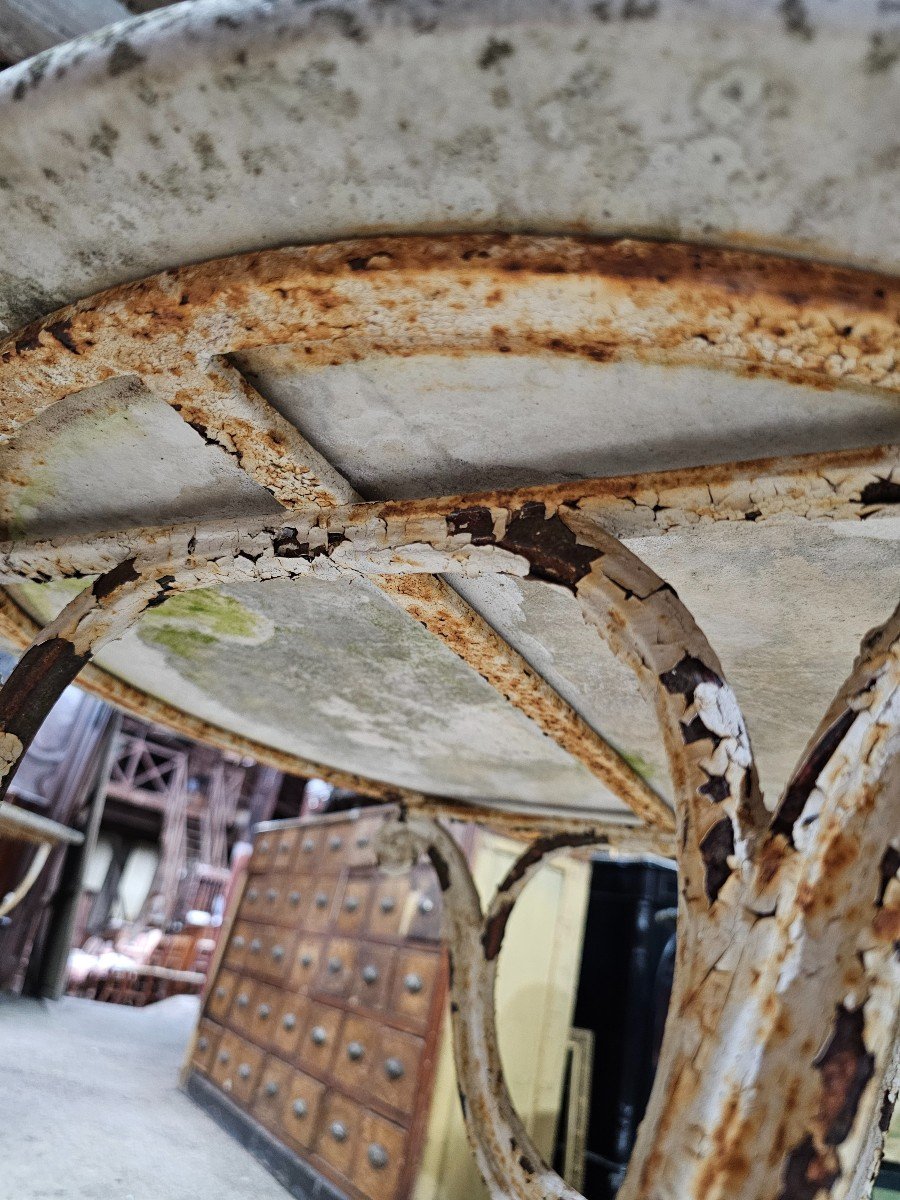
(623, 994)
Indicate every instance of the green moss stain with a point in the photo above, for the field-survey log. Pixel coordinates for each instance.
(44, 601)
(640, 764)
(192, 622)
(185, 643)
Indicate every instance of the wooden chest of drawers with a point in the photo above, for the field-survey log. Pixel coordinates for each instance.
(321, 1021)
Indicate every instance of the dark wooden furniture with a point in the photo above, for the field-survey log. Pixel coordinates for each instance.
(321, 1021)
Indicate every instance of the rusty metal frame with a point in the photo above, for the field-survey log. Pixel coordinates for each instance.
(782, 1042)
(746, 313)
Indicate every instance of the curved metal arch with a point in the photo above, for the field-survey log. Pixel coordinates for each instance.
(749, 313)
(738, 311)
(756, 889)
(744, 312)
(638, 614)
(812, 1017)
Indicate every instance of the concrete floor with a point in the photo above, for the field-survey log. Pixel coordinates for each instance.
(89, 1108)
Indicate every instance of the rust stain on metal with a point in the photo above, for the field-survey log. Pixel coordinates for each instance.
(662, 301)
(785, 942)
(447, 615)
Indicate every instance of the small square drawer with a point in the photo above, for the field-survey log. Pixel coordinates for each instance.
(339, 1132)
(300, 1111)
(285, 848)
(205, 1047)
(425, 911)
(380, 1157)
(256, 947)
(290, 1023)
(262, 897)
(388, 905)
(370, 985)
(353, 904)
(308, 851)
(320, 1038)
(295, 897)
(357, 1053)
(265, 1007)
(336, 841)
(236, 1067)
(305, 968)
(271, 1092)
(361, 837)
(337, 967)
(395, 1073)
(415, 977)
(320, 903)
(240, 1014)
(218, 1000)
(269, 952)
(238, 943)
(279, 955)
(263, 856)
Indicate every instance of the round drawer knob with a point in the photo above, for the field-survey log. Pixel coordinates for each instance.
(238, 943)
(224, 1056)
(244, 1070)
(394, 1068)
(264, 846)
(426, 905)
(413, 983)
(377, 1156)
(355, 1051)
(299, 1108)
(271, 895)
(362, 841)
(243, 1000)
(335, 842)
(289, 1021)
(318, 1035)
(306, 959)
(255, 946)
(334, 965)
(388, 904)
(271, 1088)
(370, 973)
(278, 953)
(308, 845)
(321, 900)
(294, 898)
(351, 904)
(253, 895)
(339, 1131)
(263, 1012)
(203, 1043)
(220, 992)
